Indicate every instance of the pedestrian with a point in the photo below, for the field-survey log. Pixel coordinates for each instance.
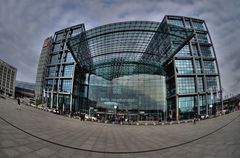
(81, 116)
(170, 117)
(19, 102)
(194, 119)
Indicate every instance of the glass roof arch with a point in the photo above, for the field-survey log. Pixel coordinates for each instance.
(142, 46)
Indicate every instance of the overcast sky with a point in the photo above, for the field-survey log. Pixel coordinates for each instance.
(25, 24)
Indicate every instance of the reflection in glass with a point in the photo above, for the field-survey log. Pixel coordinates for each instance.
(131, 94)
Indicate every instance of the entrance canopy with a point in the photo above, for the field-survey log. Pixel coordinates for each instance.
(125, 48)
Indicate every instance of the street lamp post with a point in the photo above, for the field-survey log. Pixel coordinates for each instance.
(221, 96)
(115, 109)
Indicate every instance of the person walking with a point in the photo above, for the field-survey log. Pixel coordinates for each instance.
(19, 102)
(194, 119)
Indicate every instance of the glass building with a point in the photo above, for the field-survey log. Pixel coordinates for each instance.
(140, 70)
(42, 69)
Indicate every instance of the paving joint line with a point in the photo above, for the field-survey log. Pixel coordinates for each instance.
(119, 152)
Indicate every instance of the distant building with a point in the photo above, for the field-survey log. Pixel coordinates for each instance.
(24, 89)
(232, 102)
(42, 68)
(7, 79)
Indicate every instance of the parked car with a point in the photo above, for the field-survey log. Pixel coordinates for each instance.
(90, 118)
(203, 116)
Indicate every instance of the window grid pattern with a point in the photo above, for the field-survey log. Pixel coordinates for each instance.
(209, 67)
(49, 85)
(198, 25)
(187, 24)
(202, 104)
(195, 51)
(206, 51)
(186, 85)
(60, 36)
(184, 66)
(186, 104)
(120, 44)
(76, 32)
(176, 22)
(136, 43)
(198, 66)
(211, 82)
(69, 57)
(64, 100)
(202, 37)
(66, 85)
(57, 47)
(68, 70)
(52, 71)
(185, 51)
(200, 84)
(143, 91)
(54, 59)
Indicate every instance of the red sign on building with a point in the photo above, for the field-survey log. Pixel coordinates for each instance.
(45, 44)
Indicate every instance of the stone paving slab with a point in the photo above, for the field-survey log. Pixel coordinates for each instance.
(111, 138)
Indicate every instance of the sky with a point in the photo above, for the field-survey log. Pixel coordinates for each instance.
(25, 24)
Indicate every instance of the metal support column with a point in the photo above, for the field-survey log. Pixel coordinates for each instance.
(88, 91)
(177, 109)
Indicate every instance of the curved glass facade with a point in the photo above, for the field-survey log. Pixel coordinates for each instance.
(130, 94)
(140, 70)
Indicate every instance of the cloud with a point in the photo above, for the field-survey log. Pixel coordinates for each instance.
(25, 24)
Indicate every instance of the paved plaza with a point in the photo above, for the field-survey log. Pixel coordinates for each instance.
(35, 133)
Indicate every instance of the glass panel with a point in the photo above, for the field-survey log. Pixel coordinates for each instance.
(55, 86)
(171, 88)
(59, 37)
(66, 85)
(76, 32)
(202, 37)
(132, 94)
(51, 71)
(54, 59)
(198, 66)
(195, 50)
(68, 57)
(68, 70)
(198, 25)
(124, 43)
(54, 100)
(206, 51)
(57, 47)
(211, 83)
(203, 104)
(186, 104)
(209, 67)
(187, 24)
(184, 66)
(200, 84)
(185, 51)
(49, 85)
(176, 22)
(186, 85)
